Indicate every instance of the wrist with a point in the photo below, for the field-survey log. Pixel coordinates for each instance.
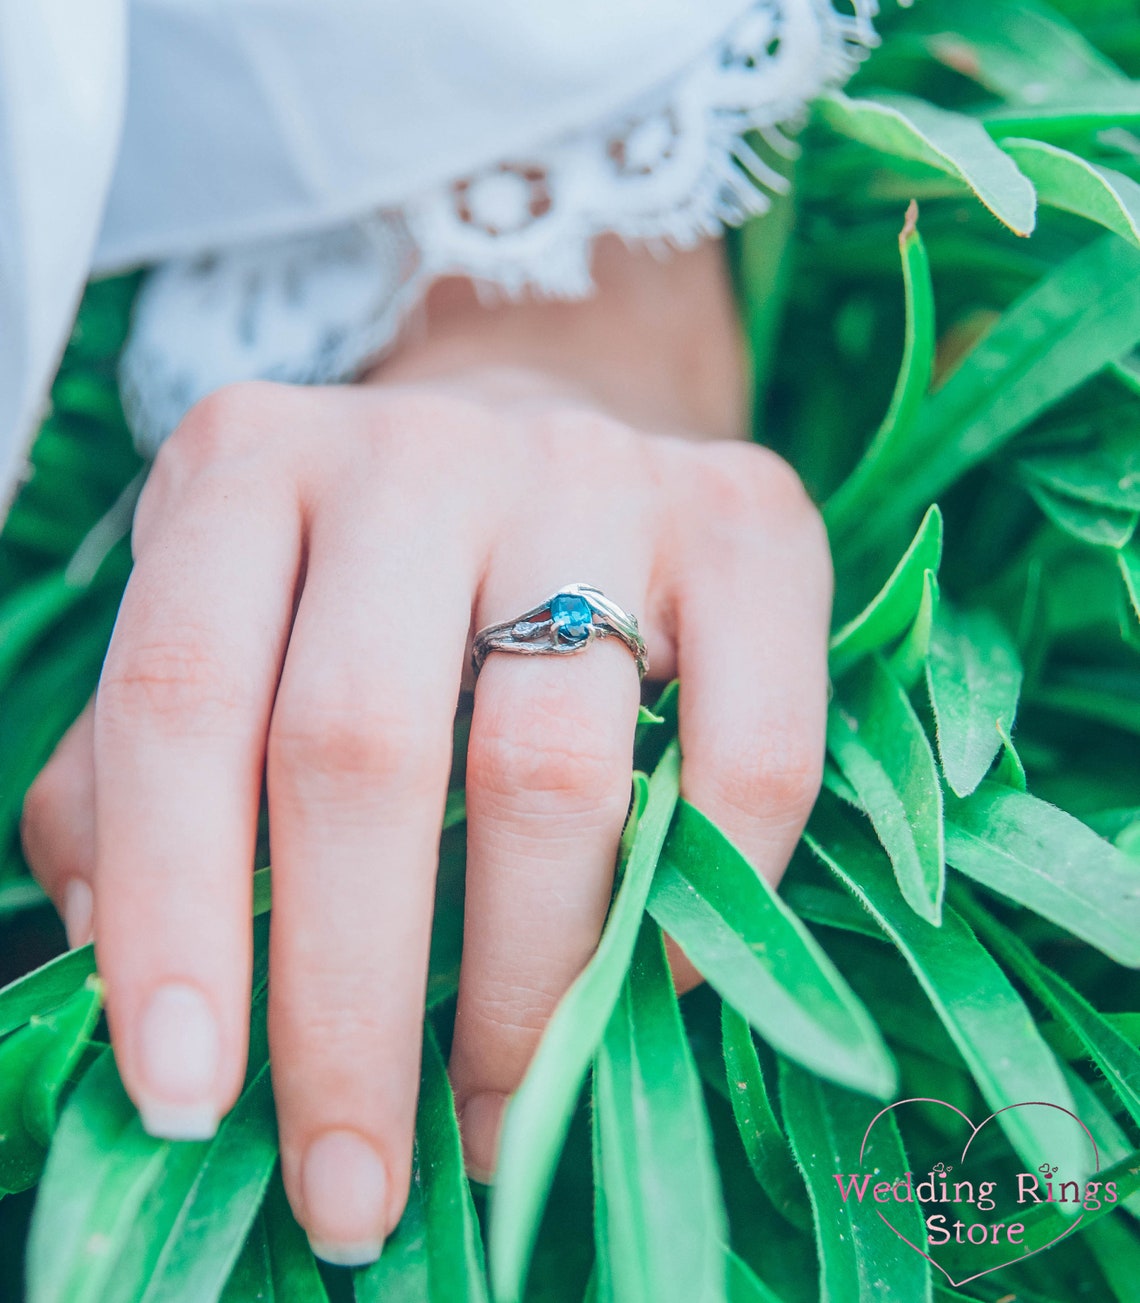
(658, 344)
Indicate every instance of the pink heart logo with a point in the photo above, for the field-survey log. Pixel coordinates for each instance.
(943, 1169)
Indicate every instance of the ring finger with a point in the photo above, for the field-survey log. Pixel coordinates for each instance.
(548, 780)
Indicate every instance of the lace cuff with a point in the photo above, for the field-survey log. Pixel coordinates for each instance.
(672, 168)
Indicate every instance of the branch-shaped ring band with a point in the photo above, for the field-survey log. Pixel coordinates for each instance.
(567, 622)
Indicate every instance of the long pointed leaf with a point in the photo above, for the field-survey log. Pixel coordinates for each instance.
(666, 1223)
(889, 442)
(539, 1114)
(876, 739)
(760, 1133)
(912, 129)
(1052, 339)
(436, 1253)
(1115, 1056)
(1045, 859)
(860, 1257)
(974, 677)
(758, 956)
(1065, 180)
(894, 607)
(970, 994)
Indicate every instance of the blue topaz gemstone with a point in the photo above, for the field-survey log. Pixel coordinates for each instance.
(571, 616)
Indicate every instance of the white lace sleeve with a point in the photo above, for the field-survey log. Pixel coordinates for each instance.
(670, 168)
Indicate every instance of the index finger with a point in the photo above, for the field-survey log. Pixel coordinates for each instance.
(181, 719)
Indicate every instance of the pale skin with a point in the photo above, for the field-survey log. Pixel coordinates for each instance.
(310, 566)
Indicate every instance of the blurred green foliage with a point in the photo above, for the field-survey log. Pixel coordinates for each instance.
(962, 922)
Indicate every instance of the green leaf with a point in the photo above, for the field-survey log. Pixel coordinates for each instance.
(877, 741)
(539, 1113)
(1068, 1044)
(122, 1216)
(744, 1286)
(20, 895)
(600, 1288)
(651, 739)
(1044, 1223)
(1080, 114)
(276, 1264)
(455, 811)
(860, 1257)
(1116, 1248)
(455, 1248)
(36, 1063)
(974, 677)
(1028, 850)
(1082, 315)
(665, 1218)
(212, 1217)
(760, 1133)
(28, 614)
(1009, 769)
(1127, 371)
(979, 1008)
(439, 1253)
(897, 603)
(262, 892)
(1090, 523)
(45, 988)
(1025, 53)
(758, 956)
(955, 144)
(842, 510)
(764, 274)
(1106, 472)
(1129, 561)
(400, 1275)
(908, 661)
(296, 1276)
(828, 908)
(69, 1030)
(1117, 1058)
(1067, 181)
(1109, 1136)
(251, 1278)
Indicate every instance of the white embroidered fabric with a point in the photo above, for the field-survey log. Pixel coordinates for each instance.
(669, 169)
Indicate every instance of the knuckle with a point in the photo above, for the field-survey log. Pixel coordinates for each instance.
(510, 1010)
(407, 424)
(323, 738)
(180, 682)
(526, 748)
(47, 810)
(44, 796)
(578, 442)
(744, 480)
(339, 1013)
(224, 424)
(41, 806)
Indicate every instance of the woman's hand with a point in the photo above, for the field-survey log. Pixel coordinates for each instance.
(310, 567)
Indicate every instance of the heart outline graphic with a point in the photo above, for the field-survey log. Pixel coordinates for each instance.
(1027, 1103)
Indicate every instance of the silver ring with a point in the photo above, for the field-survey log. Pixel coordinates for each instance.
(567, 622)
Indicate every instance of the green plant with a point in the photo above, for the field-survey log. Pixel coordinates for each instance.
(963, 919)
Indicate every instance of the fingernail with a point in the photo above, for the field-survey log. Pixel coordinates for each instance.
(78, 910)
(179, 1053)
(480, 1124)
(344, 1187)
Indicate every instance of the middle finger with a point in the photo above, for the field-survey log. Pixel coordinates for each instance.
(359, 755)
